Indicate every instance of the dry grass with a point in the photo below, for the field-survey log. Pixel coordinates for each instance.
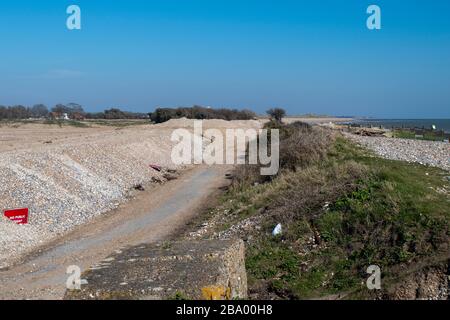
(342, 209)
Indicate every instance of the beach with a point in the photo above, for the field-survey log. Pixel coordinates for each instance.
(431, 153)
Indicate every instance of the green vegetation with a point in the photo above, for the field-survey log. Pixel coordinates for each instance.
(427, 135)
(342, 209)
(62, 123)
(117, 123)
(179, 296)
(161, 115)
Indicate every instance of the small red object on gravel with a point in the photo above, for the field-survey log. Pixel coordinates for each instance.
(20, 216)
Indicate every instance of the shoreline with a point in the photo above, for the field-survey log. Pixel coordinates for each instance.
(405, 124)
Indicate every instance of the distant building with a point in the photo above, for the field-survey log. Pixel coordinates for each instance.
(59, 116)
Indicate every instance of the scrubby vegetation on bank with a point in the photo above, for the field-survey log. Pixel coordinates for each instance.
(341, 209)
(88, 123)
(200, 113)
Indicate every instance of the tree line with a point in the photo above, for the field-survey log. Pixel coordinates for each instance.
(200, 113)
(76, 111)
(72, 110)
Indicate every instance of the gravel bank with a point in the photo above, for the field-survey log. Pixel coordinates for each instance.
(68, 184)
(435, 154)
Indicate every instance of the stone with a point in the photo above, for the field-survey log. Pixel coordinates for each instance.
(191, 270)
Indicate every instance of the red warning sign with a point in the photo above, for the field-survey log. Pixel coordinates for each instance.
(20, 216)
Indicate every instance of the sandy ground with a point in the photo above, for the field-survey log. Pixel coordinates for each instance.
(17, 136)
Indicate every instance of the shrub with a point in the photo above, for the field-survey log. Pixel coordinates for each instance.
(304, 146)
(276, 114)
(200, 113)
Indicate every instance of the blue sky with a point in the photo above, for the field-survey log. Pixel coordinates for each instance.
(305, 56)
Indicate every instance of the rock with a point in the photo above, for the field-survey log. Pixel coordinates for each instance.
(139, 187)
(170, 176)
(196, 270)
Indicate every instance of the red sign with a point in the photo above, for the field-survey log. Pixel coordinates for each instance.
(20, 216)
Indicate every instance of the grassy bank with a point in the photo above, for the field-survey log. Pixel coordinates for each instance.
(49, 122)
(427, 135)
(341, 209)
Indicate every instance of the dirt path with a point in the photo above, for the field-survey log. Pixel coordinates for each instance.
(153, 215)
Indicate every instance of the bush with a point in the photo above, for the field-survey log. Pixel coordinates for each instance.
(200, 113)
(276, 114)
(303, 146)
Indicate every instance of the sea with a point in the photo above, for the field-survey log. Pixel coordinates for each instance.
(441, 124)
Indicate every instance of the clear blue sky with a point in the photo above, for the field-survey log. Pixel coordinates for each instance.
(305, 56)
